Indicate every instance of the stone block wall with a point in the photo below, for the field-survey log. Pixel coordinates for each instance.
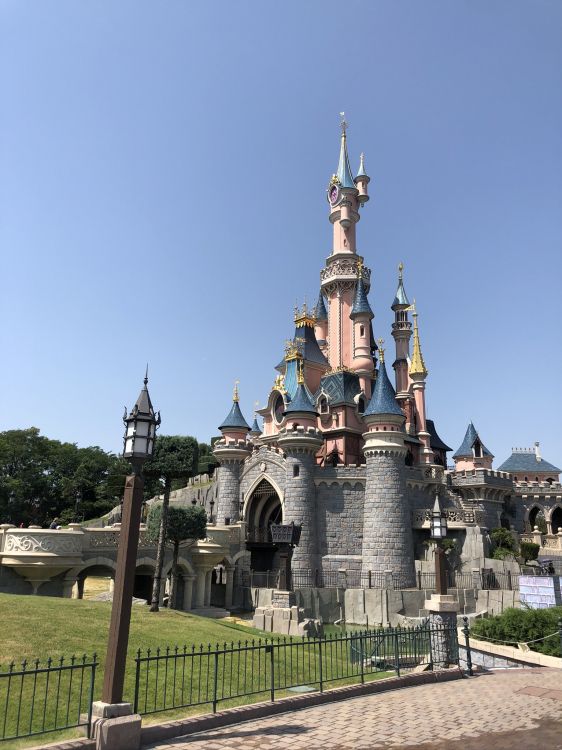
(340, 518)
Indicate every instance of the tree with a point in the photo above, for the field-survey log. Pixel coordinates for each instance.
(174, 457)
(42, 478)
(504, 544)
(207, 460)
(183, 524)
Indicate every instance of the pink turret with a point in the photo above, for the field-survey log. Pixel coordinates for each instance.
(418, 374)
(339, 279)
(472, 453)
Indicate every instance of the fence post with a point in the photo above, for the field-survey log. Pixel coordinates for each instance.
(362, 652)
(137, 683)
(466, 631)
(560, 633)
(91, 699)
(419, 577)
(509, 584)
(320, 671)
(370, 579)
(215, 680)
(269, 650)
(396, 653)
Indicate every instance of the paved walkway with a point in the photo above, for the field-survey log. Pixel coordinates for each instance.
(504, 710)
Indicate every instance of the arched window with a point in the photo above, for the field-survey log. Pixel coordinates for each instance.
(361, 405)
(362, 331)
(477, 448)
(323, 405)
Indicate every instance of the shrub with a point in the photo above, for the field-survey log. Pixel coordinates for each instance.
(529, 550)
(523, 626)
(501, 553)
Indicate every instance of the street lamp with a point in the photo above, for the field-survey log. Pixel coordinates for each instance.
(438, 532)
(285, 536)
(141, 425)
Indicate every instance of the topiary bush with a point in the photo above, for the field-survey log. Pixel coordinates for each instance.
(521, 626)
(529, 550)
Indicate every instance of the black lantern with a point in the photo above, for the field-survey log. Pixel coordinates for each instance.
(438, 521)
(141, 425)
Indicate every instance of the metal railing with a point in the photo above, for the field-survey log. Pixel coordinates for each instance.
(37, 699)
(173, 678)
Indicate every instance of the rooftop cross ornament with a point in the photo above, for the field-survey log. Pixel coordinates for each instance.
(235, 393)
(381, 350)
(343, 123)
(400, 269)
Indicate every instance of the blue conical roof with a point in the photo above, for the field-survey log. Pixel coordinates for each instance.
(401, 299)
(471, 436)
(256, 429)
(361, 304)
(302, 402)
(361, 172)
(344, 169)
(383, 400)
(320, 312)
(235, 419)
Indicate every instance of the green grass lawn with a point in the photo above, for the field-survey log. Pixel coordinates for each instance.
(39, 627)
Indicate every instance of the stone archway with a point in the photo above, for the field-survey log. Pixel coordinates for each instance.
(263, 508)
(556, 519)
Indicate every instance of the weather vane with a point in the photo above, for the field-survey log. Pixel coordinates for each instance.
(343, 122)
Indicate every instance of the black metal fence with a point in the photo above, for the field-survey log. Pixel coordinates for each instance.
(186, 677)
(39, 698)
(352, 579)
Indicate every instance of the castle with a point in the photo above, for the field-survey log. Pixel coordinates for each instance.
(352, 458)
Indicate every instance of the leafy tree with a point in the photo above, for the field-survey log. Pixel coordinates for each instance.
(42, 478)
(207, 461)
(183, 524)
(174, 457)
(504, 543)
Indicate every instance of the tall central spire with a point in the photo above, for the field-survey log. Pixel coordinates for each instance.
(344, 174)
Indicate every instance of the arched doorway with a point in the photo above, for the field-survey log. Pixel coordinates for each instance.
(556, 520)
(533, 513)
(263, 509)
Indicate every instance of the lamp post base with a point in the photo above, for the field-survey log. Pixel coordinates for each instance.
(116, 727)
(442, 609)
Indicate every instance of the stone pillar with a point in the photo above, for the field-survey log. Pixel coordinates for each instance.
(231, 457)
(301, 446)
(111, 585)
(68, 589)
(387, 523)
(78, 589)
(200, 588)
(208, 583)
(187, 592)
(443, 610)
(229, 587)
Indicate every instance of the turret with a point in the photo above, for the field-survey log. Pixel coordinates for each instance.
(401, 333)
(321, 323)
(472, 453)
(231, 452)
(301, 409)
(361, 315)
(387, 530)
(343, 197)
(418, 374)
(361, 181)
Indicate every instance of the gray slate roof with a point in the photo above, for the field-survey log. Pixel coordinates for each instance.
(383, 400)
(401, 298)
(526, 463)
(302, 402)
(320, 312)
(471, 436)
(344, 169)
(341, 387)
(256, 429)
(434, 440)
(361, 304)
(234, 418)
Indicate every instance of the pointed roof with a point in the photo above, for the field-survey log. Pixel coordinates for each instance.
(471, 436)
(302, 402)
(320, 312)
(361, 304)
(417, 365)
(143, 403)
(383, 400)
(401, 298)
(234, 418)
(361, 171)
(256, 429)
(344, 174)
(434, 440)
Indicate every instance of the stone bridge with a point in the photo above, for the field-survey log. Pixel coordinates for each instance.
(57, 562)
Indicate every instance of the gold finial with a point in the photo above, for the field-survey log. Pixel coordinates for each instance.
(381, 351)
(235, 394)
(359, 268)
(256, 407)
(417, 365)
(343, 123)
(400, 269)
(300, 373)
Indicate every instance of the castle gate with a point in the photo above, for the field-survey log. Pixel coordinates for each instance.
(263, 509)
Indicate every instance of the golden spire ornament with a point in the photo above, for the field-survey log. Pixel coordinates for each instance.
(381, 351)
(235, 397)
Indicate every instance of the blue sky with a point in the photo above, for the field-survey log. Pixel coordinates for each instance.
(162, 198)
